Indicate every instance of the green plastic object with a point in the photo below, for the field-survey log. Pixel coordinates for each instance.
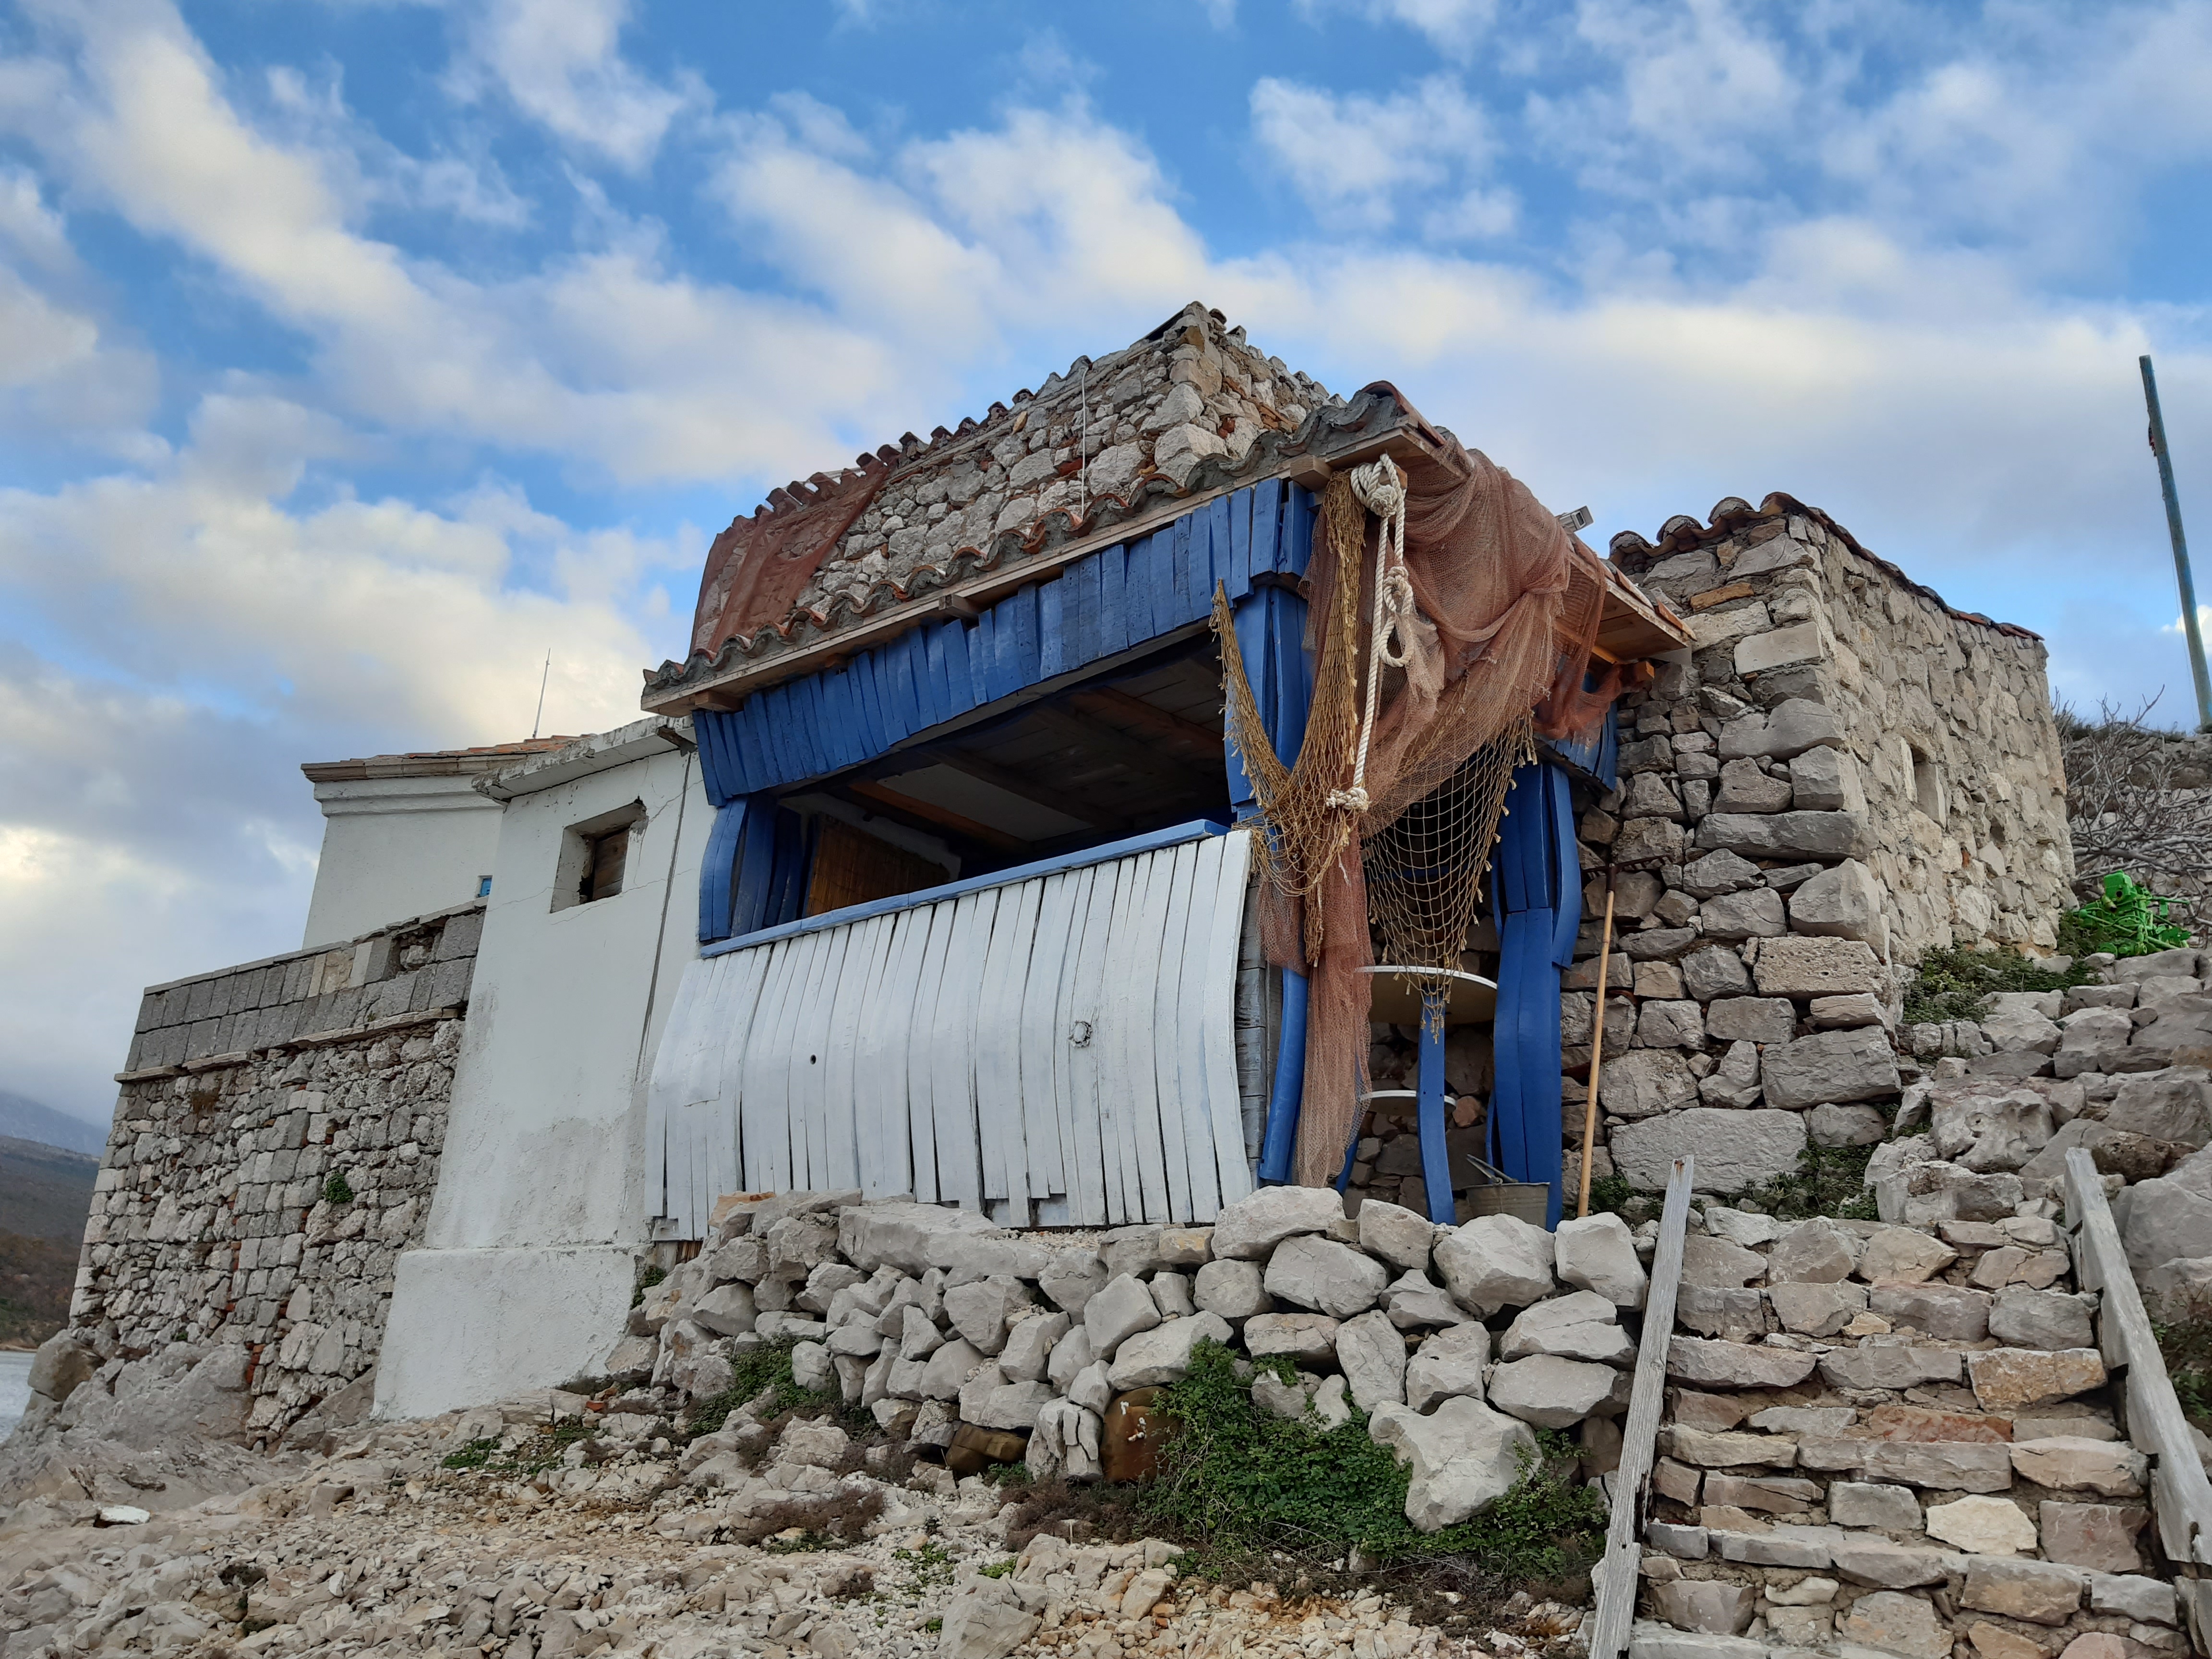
(2128, 921)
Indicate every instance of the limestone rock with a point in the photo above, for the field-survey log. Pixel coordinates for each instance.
(2040, 1592)
(1162, 1354)
(1710, 1364)
(2071, 1463)
(1597, 1254)
(1449, 1365)
(1644, 1081)
(1804, 966)
(1845, 1126)
(1855, 1064)
(1251, 1228)
(1372, 1355)
(1894, 1567)
(945, 1371)
(2101, 1537)
(1071, 1279)
(1232, 1289)
(1463, 1458)
(1902, 1256)
(1028, 1346)
(1319, 1273)
(1815, 1252)
(1070, 1356)
(1550, 1392)
(1986, 1127)
(2173, 1105)
(1816, 1309)
(1889, 1367)
(1716, 1262)
(1415, 1300)
(1308, 1337)
(1894, 1622)
(1118, 1312)
(1947, 1312)
(980, 1624)
(1983, 1525)
(1711, 1606)
(2049, 1320)
(2010, 1379)
(1580, 1326)
(1396, 1235)
(1865, 1503)
(1716, 970)
(1734, 1149)
(1496, 1261)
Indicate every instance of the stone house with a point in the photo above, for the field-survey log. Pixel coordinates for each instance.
(923, 874)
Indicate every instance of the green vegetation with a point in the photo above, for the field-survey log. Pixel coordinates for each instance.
(765, 1369)
(1828, 1180)
(2187, 1349)
(2127, 919)
(648, 1276)
(335, 1190)
(1244, 1481)
(1953, 982)
(541, 1452)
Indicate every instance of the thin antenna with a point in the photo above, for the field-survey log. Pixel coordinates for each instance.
(545, 674)
(2188, 585)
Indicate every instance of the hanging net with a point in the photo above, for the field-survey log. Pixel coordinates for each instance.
(1485, 623)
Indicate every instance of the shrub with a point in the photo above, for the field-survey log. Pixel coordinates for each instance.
(1828, 1180)
(647, 1276)
(2186, 1348)
(1244, 1480)
(336, 1192)
(1953, 982)
(763, 1370)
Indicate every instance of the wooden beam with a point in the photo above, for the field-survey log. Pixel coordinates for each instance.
(942, 817)
(1138, 756)
(1029, 789)
(1618, 1569)
(1108, 703)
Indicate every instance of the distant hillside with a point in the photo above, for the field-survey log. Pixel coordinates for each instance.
(36, 1278)
(44, 1192)
(22, 1118)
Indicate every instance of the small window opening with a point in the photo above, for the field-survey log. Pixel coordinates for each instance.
(595, 856)
(484, 886)
(1927, 786)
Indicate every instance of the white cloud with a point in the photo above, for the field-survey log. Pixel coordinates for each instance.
(1454, 27)
(1352, 156)
(561, 62)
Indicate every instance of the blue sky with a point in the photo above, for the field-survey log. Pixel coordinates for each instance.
(355, 353)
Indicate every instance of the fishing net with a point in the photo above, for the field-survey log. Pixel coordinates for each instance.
(1488, 639)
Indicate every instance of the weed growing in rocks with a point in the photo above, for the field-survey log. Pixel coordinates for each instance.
(2186, 1348)
(336, 1192)
(1952, 983)
(648, 1276)
(1828, 1180)
(763, 1370)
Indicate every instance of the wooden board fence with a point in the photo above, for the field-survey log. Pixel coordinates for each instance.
(1060, 1047)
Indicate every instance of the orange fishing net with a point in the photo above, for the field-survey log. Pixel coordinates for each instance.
(1507, 609)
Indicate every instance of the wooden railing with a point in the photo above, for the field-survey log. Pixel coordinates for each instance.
(1616, 1573)
(2181, 1497)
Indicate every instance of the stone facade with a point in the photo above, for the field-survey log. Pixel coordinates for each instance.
(1844, 773)
(256, 1194)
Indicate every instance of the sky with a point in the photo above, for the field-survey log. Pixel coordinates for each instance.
(355, 355)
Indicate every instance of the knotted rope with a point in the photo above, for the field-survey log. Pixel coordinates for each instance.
(1381, 489)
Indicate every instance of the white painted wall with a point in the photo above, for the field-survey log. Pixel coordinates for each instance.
(396, 847)
(525, 1273)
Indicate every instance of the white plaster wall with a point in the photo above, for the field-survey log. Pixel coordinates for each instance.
(396, 847)
(542, 1195)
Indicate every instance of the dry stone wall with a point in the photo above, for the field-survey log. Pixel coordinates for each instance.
(1895, 1438)
(264, 1172)
(1843, 773)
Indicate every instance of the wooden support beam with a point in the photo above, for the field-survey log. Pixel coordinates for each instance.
(1138, 757)
(1119, 707)
(939, 817)
(1042, 794)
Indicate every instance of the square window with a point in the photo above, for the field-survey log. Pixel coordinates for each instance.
(595, 856)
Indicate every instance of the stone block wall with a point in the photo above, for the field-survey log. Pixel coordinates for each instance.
(1843, 773)
(257, 1188)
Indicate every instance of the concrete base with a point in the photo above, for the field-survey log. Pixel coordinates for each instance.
(470, 1326)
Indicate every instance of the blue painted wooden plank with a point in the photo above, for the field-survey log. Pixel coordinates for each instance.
(960, 676)
(1136, 591)
(874, 735)
(729, 782)
(717, 871)
(983, 645)
(1297, 529)
(752, 755)
(1240, 544)
(819, 722)
(1224, 565)
(1289, 673)
(1082, 612)
(772, 726)
(1112, 618)
(707, 726)
(1252, 622)
(751, 892)
(788, 881)
(1151, 841)
(1054, 624)
(938, 707)
(1267, 525)
(1026, 656)
(908, 671)
(1193, 595)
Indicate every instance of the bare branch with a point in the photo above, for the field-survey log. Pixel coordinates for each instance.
(2138, 799)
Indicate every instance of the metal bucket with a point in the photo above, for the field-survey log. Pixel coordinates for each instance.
(1494, 1193)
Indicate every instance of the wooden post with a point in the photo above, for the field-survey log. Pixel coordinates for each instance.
(1597, 1049)
(1618, 1569)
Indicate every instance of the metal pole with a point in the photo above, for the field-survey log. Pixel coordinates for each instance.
(2181, 575)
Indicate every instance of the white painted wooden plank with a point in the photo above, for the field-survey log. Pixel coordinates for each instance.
(952, 1071)
(787, 1136)
(1043, 1036)
(665, 1090)
(2181, 1496)
(809, 1030)
(1090, 1037)
(1140, 917)
(1193, 1038)
(1218, 1000)
(1075, 1082)
(863, 963)
(719, 1019)
(921, 1092)
(879, 1114)
(763, 1113)
(1617, 1577)
(1003, 1142)
(1179, 865)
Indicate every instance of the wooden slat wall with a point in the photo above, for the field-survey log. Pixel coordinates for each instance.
(1060, 1049)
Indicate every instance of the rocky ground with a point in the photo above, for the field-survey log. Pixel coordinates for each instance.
(564, 1540)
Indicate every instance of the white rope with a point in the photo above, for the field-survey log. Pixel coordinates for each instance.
(1381, 489)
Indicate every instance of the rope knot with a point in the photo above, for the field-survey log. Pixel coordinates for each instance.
(1353, 799)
